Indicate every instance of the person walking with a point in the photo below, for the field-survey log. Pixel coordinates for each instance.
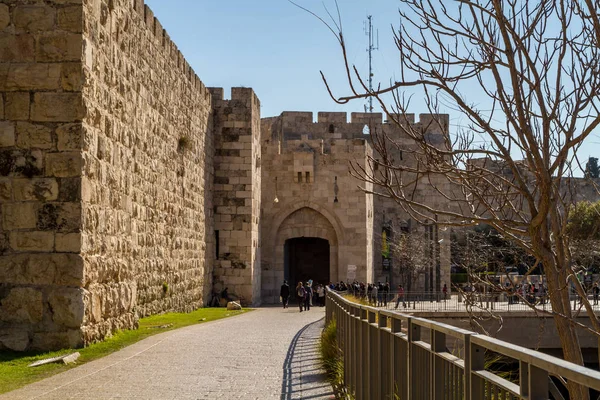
(374, 294)
(385, 293)
(321, 293)
(400, 297)
(301, 294)
(595, 293)
(445, 291)
(284, 292)
(307, 297)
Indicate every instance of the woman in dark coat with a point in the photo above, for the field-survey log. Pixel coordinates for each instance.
(285, 294)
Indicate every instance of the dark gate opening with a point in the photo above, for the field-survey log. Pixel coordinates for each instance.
(306, 258)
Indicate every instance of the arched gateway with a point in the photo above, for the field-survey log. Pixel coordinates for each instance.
(305, 247)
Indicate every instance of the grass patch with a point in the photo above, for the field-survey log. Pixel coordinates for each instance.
(14, 372)
(332, 360)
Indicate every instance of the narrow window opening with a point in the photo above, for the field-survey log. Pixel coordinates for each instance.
(299, 177)
(366, 130)
(217, 245)
(331, 128)
(307, 177)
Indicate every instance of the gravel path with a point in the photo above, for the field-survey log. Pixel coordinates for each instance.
(269, 353)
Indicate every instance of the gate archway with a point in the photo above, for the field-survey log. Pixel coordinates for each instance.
(309, 234)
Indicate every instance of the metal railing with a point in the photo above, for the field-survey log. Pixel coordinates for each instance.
(389, 355)
(464, 302)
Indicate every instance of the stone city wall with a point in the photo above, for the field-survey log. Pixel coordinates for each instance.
(105, 166)
(147, 149)
(238, 169)
(41, 113)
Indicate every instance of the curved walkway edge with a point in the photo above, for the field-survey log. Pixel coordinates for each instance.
(270, 353)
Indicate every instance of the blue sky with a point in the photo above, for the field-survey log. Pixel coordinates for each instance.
(278, 50)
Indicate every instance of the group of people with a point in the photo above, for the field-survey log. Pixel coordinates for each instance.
(306, 294)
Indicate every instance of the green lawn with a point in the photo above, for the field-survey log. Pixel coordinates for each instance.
(14, 372)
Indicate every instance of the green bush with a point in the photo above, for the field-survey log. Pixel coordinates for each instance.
(331, 359)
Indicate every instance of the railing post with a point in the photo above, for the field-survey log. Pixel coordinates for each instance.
(538, 383)
(373, 356)
(477, 358)
(414, 334)
(395, 364)
(438, 344)
(384, 357)
(354, 354)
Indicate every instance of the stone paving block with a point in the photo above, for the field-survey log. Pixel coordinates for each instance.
(269, 353)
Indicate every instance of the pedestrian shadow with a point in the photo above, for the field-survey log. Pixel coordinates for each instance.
(302, 376)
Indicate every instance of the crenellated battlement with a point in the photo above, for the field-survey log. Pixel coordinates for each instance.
(163, 38)
(307, 117)
(291, 125)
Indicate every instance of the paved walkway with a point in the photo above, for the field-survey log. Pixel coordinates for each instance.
(269, 353)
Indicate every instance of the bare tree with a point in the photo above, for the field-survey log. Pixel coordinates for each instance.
(508, 162)
(409, 251)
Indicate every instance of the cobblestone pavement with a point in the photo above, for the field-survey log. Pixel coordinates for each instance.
(269, 353)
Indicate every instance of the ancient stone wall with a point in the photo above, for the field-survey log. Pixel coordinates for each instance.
(147, 153)
(238, 169)
(41, 109)
(106, 172)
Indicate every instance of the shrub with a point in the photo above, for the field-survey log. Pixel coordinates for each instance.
(332, 361)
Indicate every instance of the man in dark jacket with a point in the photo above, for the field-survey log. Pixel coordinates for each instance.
(308, 296)
(285, 294)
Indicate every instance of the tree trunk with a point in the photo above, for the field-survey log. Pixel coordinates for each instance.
(558, 292)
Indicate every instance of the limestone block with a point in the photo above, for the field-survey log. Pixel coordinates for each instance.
(57, 340)
(67, 307)
(233, 305)
(57, 107)
(72, 76)
(36, 136)
(59, 46)
(32, 18)
(32, 241)
(14, 339)
(5, 190)
(69, 190)
(42, 269)
(7, 134)
(17, 106)
(36, 76)
(18, 48)
(18, 216)
(40, 189)
(22, 305)
(70, 19)
(62, 217)
(70, 137)
(68, 242)
(4, 16)
(65, 164)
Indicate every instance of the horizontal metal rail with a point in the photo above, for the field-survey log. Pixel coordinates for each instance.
(390, 355)
(464, 302)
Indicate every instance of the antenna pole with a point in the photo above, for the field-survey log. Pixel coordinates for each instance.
(372, 47)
